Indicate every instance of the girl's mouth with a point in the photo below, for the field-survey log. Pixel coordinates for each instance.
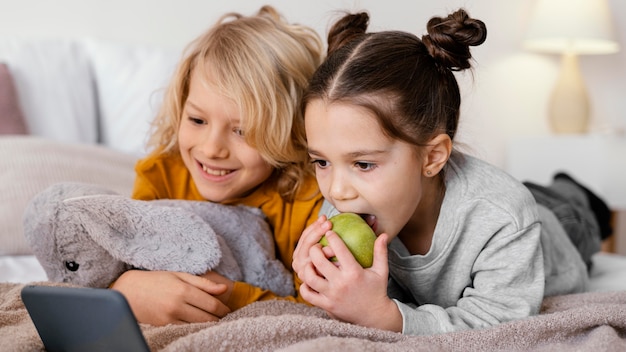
(370, 220)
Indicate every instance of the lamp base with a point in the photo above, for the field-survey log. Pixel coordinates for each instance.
(569, 104)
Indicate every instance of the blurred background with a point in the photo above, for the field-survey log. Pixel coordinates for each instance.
(506, 96)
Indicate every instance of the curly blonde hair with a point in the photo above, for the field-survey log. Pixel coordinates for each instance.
(263, 64)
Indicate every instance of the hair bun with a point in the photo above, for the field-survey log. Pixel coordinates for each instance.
(448, 39)
(346, 29)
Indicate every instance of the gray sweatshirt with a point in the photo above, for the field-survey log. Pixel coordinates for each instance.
(494, 255)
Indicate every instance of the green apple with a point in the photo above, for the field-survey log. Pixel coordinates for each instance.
(356, 234)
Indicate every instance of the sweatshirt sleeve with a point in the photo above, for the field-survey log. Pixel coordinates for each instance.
(507, 283)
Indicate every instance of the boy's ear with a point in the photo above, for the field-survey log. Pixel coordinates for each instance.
(437, 154)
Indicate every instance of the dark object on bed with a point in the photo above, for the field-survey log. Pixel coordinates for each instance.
(598, 206)
(83, 319)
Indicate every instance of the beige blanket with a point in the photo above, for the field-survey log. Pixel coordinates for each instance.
(583, 322)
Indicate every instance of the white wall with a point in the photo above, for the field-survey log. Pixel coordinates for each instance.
(507, 96)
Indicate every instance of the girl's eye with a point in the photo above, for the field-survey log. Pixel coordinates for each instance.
(238, 131)
(364, 166)
(319, 163)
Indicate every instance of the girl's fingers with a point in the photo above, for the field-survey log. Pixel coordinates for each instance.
(310, 237)
(328, 252)
(310, 295)
(341, 252)
(322, 263)
(380, 264)
(314, 280)
(313, 233)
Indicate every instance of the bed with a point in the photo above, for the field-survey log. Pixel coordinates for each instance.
(79, 110)
(592, 321)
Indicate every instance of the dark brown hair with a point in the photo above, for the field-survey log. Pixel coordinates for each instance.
(407, 82)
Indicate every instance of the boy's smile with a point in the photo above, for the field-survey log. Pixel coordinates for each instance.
(223, 166)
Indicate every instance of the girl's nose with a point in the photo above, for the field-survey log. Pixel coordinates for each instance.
(341, 187)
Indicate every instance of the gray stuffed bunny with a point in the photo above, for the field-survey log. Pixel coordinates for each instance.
(88, 235)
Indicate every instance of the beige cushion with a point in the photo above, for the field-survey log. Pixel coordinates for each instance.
(11, 117)
(55, 85)
(29, 164)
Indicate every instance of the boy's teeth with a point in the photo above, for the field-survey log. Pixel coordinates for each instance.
(214, 172)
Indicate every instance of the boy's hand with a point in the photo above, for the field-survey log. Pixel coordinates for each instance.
(163, 297)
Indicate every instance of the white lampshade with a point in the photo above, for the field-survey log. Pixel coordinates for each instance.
(576, 26)
(570, 28)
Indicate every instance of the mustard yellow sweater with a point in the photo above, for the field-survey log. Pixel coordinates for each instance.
(166, 177)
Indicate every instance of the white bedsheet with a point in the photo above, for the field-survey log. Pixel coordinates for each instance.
(21, 269)
(608, 272)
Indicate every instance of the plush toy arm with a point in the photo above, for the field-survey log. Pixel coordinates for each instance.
(250, 239)
(228, 266)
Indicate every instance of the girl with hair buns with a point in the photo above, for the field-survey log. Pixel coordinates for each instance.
(230, 130)
(461, 244)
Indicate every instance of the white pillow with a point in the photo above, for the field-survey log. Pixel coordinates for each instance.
(30, 164)
(54, 84)
(131, 81)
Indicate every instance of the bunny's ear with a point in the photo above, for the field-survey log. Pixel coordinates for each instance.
(147, 235)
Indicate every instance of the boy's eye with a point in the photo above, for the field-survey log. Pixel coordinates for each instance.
(364, 166)
(196, 121)
(319, 163)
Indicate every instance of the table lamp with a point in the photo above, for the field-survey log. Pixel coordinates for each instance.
(570, 28)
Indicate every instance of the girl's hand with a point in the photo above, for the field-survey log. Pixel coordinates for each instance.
(347, 291)
(310, 238)
(163, 297)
